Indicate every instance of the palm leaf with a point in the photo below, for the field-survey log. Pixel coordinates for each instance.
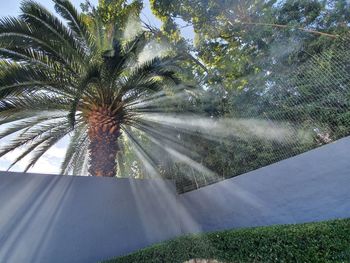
(17, 33)
(75, 22)
(31, 135)
(55, 135)
(27, 124)
(74, 148)
(54, 74)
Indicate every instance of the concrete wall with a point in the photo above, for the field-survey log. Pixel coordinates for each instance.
(45, 218)
(81, 219)
(312, 186)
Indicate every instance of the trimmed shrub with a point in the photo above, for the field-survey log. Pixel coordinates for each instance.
(312, 242)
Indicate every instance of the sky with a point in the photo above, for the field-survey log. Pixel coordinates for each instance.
(49, 163)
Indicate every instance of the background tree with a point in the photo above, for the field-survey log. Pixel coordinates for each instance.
(279, 61)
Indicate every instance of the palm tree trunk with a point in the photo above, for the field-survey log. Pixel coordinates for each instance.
(103, 131)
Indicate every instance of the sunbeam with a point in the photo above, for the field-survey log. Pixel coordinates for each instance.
(223, 127)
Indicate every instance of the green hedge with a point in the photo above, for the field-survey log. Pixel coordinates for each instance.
(313, 242)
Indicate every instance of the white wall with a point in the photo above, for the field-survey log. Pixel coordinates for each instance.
(45, 218)
(312, 186)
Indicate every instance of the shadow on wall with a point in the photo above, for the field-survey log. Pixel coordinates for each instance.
(28, 203)
(46, 218)
(82, 219)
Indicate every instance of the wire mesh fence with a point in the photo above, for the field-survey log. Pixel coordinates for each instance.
(311, 103)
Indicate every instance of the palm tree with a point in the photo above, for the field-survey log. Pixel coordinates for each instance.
(56, 78)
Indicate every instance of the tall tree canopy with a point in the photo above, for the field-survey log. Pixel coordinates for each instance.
(279, 61)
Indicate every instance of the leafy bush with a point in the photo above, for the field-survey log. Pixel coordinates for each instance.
(312, 242)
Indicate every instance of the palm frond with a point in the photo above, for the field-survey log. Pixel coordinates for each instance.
(26, 55)
(42, 20)
(16, 33)
(53, 75)
(92, 77)
(17, 79)
(27, 124)
(33, 102)
(79, 163)
(133, 48)
(31, 135)
(75, 23)
(13, 116)
(29, 150)
(55, 135)
(150, 77)
(75, 146)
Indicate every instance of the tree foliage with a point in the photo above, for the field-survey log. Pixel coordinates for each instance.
(280, 61)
